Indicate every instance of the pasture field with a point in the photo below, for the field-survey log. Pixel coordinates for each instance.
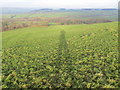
(70, 14)
(68, 56)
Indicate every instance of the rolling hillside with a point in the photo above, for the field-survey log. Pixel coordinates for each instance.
(77, 56)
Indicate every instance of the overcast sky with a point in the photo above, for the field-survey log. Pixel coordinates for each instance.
(60, 3)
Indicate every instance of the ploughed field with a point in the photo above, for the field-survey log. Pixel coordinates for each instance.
(76, 56)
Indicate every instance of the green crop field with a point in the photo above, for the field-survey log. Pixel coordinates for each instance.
(76, 56)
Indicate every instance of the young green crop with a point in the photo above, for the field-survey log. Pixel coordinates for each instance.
(76, 56)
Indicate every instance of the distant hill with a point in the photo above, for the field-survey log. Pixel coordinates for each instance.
(9, 10)
(15, 10)
(64, 9)
(41, 10)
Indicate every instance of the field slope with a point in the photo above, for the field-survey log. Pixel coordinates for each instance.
(77, 56)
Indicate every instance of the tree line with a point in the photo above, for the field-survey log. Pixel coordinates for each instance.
(16, 23)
